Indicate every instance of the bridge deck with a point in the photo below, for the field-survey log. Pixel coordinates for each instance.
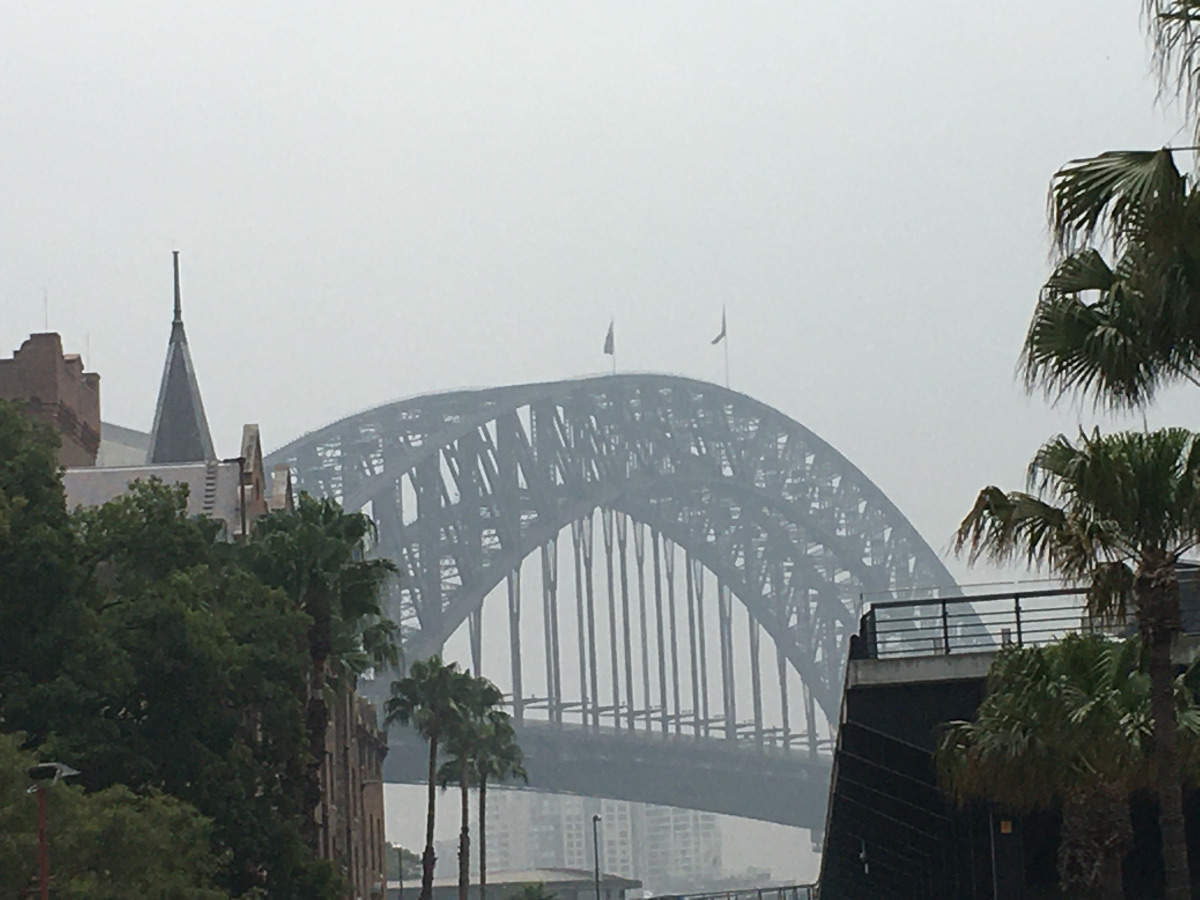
(787, 787)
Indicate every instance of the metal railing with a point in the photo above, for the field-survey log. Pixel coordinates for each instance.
(790, 892)
(944, 625)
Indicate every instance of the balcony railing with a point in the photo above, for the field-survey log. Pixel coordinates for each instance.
(944, 625)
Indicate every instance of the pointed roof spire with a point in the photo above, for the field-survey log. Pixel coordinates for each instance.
(178, 303)
(180, 432)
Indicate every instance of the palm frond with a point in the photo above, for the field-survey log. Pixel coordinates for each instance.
(1100, 348)
(1056, 721)
(1173, 27)
(1004, 526)
(1106, 197)
(1110, 592)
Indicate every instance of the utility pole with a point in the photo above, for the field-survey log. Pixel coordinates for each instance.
(43, 852)
(39, 775)
(596, 851)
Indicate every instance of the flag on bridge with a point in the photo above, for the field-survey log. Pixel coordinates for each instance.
(720, 337)
(609, 346)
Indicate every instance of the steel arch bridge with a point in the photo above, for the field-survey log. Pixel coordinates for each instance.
(703, 484)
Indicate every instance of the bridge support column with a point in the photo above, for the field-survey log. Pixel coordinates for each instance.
(810, 715)
(580, 631)
(689, 571)
(588, 547)
(626, 626)
(698, 579)
(475, 628)
(669, 567)
(665, 711)
(783, 696)
(514, 641)
(728, 693)
(550, 628)
(606, 523)
(756, 682)
(639, 553)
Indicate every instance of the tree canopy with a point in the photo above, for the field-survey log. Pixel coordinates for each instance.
(174, 670)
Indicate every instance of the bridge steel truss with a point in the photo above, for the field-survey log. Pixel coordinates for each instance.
(465, 485)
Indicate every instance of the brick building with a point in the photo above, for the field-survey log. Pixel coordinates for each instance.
(351, 812)
(57, 391)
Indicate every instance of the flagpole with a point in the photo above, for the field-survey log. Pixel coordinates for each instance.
(726, 343)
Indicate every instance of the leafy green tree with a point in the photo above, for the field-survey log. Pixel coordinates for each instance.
(143, 650)
(213, 667)
(103, 846)
(1119, 318)
(1115, 513)
(481, 700)
(55, 661)
(316, 555)
(1066, 724)
(434, 697)
(498, 758)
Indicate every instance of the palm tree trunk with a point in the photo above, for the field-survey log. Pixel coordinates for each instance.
(482, 837)
(429, 859)
(464, 840)
(1096, 832)
(1158, 619)
(320, 641)
(316, 791)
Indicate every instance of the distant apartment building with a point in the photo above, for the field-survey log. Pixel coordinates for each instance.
(669, 850)
(682, 849)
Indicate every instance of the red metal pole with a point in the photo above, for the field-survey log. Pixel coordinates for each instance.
(43, 853)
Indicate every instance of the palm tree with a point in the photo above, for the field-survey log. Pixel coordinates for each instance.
(434, 697)
(1065, 724)
(481, 699)
(316, 554)
(1119, 328)
(498, 758)
(1115, 512)
(1175, 37)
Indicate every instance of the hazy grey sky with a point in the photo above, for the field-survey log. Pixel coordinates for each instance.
(378, 200)
(375, 200)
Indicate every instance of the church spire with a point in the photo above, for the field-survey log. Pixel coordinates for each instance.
(178, 303)
(180, 432)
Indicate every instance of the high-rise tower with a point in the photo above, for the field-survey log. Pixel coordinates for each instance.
(180, 432)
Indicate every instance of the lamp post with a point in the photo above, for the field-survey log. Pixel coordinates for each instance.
(596, 850)
(39, 775)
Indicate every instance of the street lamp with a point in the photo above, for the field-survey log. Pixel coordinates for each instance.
(39, 775)
(596, 850)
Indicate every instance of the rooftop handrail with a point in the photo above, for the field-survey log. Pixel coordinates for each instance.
(936, 626)
(978, 598)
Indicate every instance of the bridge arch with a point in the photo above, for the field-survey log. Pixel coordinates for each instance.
(466, 485)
